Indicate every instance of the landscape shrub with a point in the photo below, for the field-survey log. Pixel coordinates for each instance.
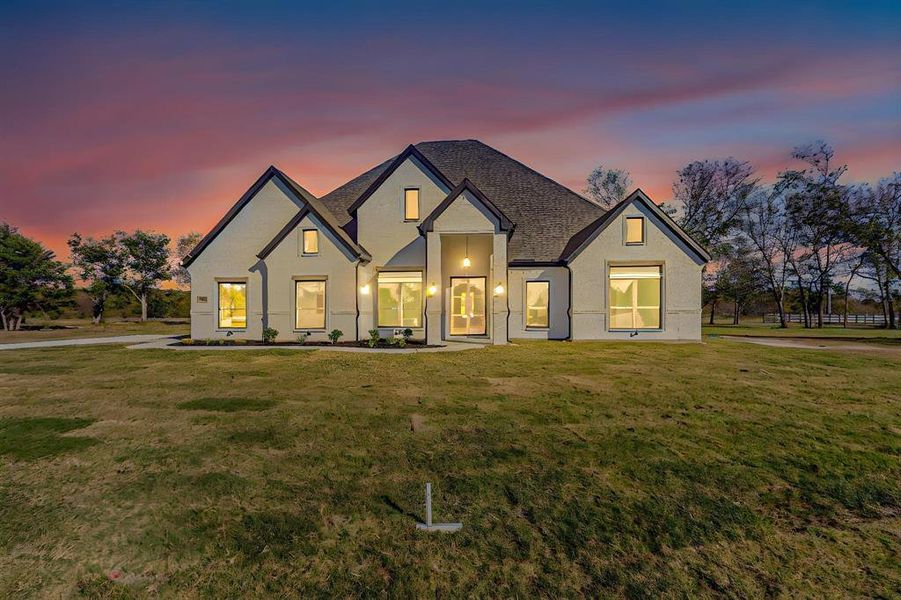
(335, 335)
(373, 338)
(269, 335)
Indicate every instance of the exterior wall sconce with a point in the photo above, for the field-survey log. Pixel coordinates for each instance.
(433, 289)
(364, 289)
(499, 289)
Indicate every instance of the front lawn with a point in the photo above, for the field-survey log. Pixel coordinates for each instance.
(67, 329)
(577, 469)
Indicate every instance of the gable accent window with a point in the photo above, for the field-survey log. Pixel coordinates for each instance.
(310, 241)
(635, 297)
(232, 305)
(400, 299)
(538, 294)
(634, 230)
(309, 304)
(411, 204)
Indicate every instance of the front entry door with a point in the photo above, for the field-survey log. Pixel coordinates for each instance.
(467, 315)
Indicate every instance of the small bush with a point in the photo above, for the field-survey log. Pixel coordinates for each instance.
(269, 335)
(400, 342)
(408, 333)
(302, 337)
(373, 338)
(335, 335)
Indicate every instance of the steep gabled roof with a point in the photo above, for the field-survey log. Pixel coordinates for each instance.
(466, 185)
(398, 161)
(585, 236)
(302, 194)
(545, 213)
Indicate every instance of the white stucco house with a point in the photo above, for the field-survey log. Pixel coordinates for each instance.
(454, 240)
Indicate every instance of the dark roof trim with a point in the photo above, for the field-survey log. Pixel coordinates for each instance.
(466, 185)
(283, 233)
(581, 239)
(233, 211)
(526, 264)
(407, 153)
(325, 216)
(313, 205)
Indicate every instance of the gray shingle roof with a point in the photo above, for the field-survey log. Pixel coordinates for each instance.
(545, 213)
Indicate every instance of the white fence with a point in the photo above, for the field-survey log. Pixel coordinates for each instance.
(827, 319)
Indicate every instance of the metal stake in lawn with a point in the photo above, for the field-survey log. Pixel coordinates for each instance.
(428, 525)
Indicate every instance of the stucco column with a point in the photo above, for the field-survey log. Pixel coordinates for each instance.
(434, 305)
(499, 301)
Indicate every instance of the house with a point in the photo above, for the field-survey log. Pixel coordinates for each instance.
(454, 240)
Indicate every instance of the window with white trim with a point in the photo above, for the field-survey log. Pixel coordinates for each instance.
(634, 230)
(232, 299)
(309, 304)
(635, 297)
(538, 295)
(400, 299)
(310, 241)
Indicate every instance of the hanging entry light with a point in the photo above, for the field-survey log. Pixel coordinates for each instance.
(466, 262)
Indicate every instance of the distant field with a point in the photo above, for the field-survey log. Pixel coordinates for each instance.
(83, 328)
(756, 328)
(578, 469)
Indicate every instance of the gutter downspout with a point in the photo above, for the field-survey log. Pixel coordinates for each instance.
(357, 300)
(569, 309)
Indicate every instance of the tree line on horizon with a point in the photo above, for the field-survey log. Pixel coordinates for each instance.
(798, 239)
(802, 237)
(132, 264)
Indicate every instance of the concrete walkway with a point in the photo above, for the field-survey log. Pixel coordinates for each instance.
(167, 344)
(116, 339)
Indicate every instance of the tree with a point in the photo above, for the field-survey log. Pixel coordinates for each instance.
(100, 265)
(816, 205)
(766, 227)
(30, 278)
(146, 263)
(710, 197)
(874, 220)
(183, 246)
(739, 278)
(608, 187)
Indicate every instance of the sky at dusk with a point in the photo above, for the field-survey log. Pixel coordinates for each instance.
(159, 116)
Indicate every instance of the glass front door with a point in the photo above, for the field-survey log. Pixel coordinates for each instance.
(467, 314)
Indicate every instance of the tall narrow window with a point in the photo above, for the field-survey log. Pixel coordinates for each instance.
(411, 204)
(538, 295)
(400, 299)
(635, 297)
(309, 305)
(232, 305)
(310, 241)
(634, 230)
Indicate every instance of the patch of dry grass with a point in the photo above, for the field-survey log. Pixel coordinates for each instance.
(83, 328)
(578, 469)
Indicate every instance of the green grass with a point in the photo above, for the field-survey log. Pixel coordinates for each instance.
(30, 438)
(578, 469)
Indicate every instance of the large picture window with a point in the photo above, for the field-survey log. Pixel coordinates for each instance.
(309, 305)
(400, 299)
(537, 302)
(232, 305)
(635, 297)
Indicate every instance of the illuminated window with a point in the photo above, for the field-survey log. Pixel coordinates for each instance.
(635, 230)
(635, 297)
(309, 304)
(400, 299)
(310, 241)
(232, 305)
(537, 302)
(411, 204)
